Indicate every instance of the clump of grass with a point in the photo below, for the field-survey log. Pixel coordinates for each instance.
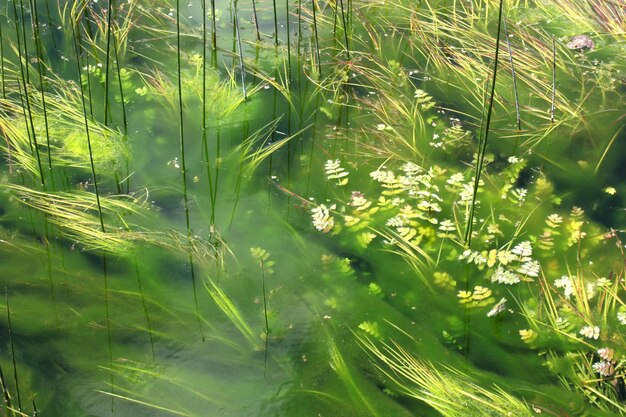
(449, 391)
(224, 302)
(582, 311)
(68, 147)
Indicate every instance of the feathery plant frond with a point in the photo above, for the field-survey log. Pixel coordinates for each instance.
(449, 391)
(77, 214)
(228, 307)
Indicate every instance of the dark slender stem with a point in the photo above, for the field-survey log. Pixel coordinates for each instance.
(25, 81)
(267, 324)
(299, 25)
(4, 90)
(317, 43)
(181, 131)
(256, 21)
(23, 21)
(288, 43)
(205, 144)
(241, 63)
(41, 83)
(480, 157)
(5, 391)
(102, 229)
(183, 168)
(345, 29)
(124, 119)
(213, 28)
(19, 91)
(552, 106)
(108, 62)
(275, 23)
(12, 345)
(145, 308)
(50, 24)
(513, 75)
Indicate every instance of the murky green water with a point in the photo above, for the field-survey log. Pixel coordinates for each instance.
(211, 293)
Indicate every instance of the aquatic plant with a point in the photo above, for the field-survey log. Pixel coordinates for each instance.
(371, 129)
(449, 391)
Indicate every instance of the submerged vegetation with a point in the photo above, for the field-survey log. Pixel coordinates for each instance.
(312, 208)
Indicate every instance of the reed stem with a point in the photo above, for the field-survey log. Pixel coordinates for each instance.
(5, 392)
(183, 167)
(256, 21)
(41, 83)
(145, 308)
(513, 76)
(267, 324)
(288, 43)
(213, 28)
(100, 216)
(482, 146)
(345, 29)
(4, 88)
(205, 144)
(108, 62)
(12, 346)
(275, 23)
(242, 68)
(25, 81)
(553, 98)
(317, 43)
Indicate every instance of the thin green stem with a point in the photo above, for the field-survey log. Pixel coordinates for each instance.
(213, 27)
(513, 76)
(288, 43)
(275, 23)
(267, 323)
(205, 144)
(256, 21)
(41, 83)
(4, 88)
(97, 192)
(240, 48)
(145, 308)
(107, 63)
(553, 98)
(482, 147)
(345, 29)
(24, 73)
(183, 167)
(317, 43)
(12, 346)
(5, 392)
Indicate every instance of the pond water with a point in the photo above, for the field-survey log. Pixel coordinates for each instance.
(294, 225)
